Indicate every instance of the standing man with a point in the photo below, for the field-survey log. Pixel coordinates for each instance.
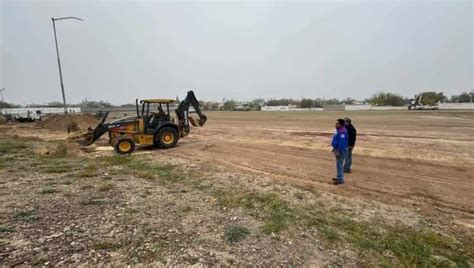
(352, 133)
(339, 148)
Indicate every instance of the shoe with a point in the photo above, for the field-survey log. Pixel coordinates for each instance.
(335, 179)
(337, 182)
(347, 171)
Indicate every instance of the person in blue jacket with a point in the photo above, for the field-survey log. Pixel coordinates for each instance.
(339, 148)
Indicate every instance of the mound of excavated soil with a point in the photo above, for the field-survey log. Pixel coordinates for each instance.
(76, 121)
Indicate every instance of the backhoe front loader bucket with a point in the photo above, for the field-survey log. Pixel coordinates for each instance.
(94, 134)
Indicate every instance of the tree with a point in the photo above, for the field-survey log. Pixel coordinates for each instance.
(4, 104)
(331, 101)
(259, 101)
(95, 104)
(348, 100)
(306, 103)
(463, 97)
(230, 105)
(281, 102)
(431, 98)
(387, 98)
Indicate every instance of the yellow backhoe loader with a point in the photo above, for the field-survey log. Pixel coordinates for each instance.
(149, 127)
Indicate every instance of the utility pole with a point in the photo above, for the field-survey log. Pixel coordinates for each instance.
(3, 102)
(1, 91)
(59, 67)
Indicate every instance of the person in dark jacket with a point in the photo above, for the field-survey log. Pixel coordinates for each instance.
(352, 133)
(339, 148)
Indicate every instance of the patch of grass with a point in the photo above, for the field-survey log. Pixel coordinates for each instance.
(329, 233)
(116, 160)
(106, 187)
(147, 255)
(412, 247)
(7, 229)
(235, 233)
(25, 215)
(106, 246)
(276, 211)
(154, 171)
(39, 260)
(48, 190)
(12, 146)
(57, 168)
(88, 171)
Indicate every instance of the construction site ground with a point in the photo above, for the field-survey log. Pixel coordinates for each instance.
(249, 188)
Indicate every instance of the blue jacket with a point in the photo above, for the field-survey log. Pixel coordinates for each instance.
(340, 139)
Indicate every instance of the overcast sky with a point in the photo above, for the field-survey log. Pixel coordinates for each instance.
(242, 50)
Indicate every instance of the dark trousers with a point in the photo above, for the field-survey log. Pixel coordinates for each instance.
(348, 160)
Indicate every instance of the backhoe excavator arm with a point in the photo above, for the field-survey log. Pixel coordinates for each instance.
(182, 112)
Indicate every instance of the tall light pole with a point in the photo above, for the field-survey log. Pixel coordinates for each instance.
(3, 101)
(59, 66)
(1, 91)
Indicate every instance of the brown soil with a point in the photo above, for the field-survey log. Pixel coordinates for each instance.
(58, 122)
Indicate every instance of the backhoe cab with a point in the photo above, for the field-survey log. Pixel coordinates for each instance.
(153, 125)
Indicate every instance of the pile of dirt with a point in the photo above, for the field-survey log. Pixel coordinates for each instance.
(3, 121)
(77, 122)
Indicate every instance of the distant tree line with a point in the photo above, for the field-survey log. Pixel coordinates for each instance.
(383, 98)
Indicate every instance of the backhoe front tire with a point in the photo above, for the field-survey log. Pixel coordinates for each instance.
(166, 137)
(124, 145)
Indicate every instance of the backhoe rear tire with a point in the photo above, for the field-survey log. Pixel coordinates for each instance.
(166, 137)
(124, 145)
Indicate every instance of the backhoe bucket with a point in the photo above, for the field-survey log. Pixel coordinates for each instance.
(199, 122)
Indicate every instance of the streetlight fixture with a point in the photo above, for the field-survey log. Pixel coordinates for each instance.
(59, 66)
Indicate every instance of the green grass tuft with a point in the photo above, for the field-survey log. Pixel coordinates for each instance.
(26, 215)
(7, 229)
(276, 211)
(88, 171)
(39, 260)
(48, 190)
(57, 168)
(235, 233)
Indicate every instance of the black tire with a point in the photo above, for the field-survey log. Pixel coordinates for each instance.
(166, 137)
(124, 145)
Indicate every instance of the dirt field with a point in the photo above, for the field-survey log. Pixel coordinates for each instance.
(249, 188)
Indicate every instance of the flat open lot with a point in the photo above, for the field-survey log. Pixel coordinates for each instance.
(248, 188)
(404, 158)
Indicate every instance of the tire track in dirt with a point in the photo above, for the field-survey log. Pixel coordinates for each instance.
(289, 165)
